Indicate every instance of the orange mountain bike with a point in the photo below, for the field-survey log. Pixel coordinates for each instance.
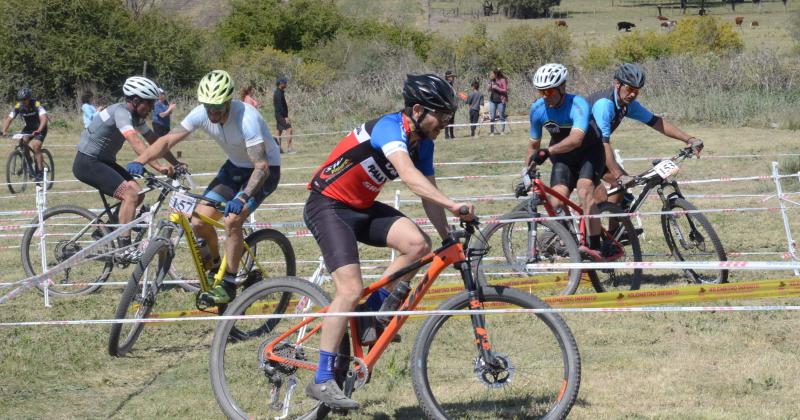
(463, 366)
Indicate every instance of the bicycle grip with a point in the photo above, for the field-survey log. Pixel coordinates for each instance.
(463, 210)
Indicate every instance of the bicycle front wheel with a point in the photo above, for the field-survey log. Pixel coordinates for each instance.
(139, 297)
(16, 172)
(690, 237)
(618, 232)
(68, 230)
(537, 365)
(524, 244)
(243, 378)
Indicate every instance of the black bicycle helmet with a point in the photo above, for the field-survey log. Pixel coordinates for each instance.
(430, 91)
(24, 93)
(630, 74)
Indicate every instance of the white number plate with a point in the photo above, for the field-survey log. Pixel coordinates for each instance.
(666, 168)
(182, 203)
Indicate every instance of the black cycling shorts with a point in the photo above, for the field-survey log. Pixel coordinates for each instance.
(40, 136)
(338, 227)
(231, 179)
(106, 176)
(587, 164)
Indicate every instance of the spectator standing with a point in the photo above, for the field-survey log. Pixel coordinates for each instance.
(450, 77)
(88, 108)
(161, 114)
(498, 98)
(475, 102)
(247, 96)
(282, 115)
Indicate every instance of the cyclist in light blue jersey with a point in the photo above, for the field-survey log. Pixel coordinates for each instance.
(611, 106)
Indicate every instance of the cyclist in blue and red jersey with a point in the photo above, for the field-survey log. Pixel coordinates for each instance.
(577, 163)
(611, 106)
(35, 117)
(341, 209)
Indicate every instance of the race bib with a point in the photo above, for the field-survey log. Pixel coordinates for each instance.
(666, 168)
(182, 203)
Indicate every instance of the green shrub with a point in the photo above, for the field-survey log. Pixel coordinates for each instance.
(703, 34)
(397, 35)
(639, 46)
(526, 9)
(596, 57)
(286, 26)
(522, 47)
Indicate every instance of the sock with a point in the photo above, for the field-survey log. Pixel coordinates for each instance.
(229, 282)
(327, 360)
(594, 242)
(375, 300)
(124, 241)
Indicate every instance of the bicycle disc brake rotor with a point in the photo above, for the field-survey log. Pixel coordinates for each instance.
(496, 376)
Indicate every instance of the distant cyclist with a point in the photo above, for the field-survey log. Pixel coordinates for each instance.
(96, 161)
(341, 209)
(611, 106)
(576, 161)
(250, 173)
(35, 117)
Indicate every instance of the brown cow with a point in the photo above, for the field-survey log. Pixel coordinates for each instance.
(561, 23)
(739, 20)
(664, 18)
(753, 24)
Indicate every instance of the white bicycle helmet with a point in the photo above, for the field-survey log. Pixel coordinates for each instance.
(140, 86)
(550, 75)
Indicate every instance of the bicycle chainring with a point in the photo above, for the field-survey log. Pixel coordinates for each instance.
(497, 376)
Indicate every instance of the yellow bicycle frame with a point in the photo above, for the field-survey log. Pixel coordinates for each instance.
(183, 221)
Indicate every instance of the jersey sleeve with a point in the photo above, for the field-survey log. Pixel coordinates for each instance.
(424, 161)
(580, 114)
(536, 124)
(603, 113)
(41, 109)
(194, 119)
(389, 136)
(639, 113)
(251, 129)
(122, 120)
(14, 112)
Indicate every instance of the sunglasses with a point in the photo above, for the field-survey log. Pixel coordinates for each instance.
(441, 117)
(632, 89)
(548, 92)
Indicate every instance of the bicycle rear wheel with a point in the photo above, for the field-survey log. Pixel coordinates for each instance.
(16, 172)
(242, 378)
(139, 297)
(690, 237)
(621, 232)
(68, 230)
(524, 243)
(539, 374)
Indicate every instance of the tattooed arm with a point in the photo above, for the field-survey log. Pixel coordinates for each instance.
(258, 155)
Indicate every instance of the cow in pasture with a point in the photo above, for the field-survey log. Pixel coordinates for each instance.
(670, 25)
(739, 20)
(664, 18)
(753, 24)
(625, 25)
(561, 23)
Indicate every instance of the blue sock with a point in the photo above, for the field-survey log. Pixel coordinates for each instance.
(325, 367)
(375, 300)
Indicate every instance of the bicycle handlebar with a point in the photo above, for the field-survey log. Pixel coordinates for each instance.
(154, 182)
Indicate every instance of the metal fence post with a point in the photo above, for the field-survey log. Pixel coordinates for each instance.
(789, 239)
(41, 204)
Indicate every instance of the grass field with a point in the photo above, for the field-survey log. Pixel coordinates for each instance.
(659, 365)
(707, 365)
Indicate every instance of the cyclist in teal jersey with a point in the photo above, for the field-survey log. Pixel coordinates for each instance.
(577, 163)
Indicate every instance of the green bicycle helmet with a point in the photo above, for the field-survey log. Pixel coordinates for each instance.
(215, 88)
